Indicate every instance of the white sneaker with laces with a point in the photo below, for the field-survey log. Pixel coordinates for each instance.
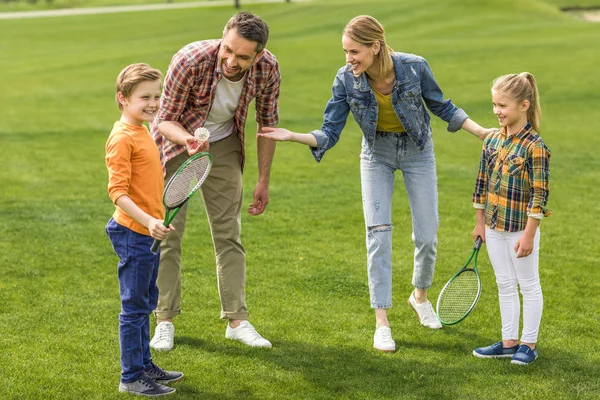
(425, 313)
(164, 336)
(382, 340)
(246, 333)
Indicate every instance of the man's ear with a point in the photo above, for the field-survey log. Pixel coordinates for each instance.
(259, 56)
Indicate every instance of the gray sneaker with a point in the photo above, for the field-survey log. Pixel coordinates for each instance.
(163, 377)
(145, 386)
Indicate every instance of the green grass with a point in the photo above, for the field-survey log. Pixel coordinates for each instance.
(306, 288)
(30, 5)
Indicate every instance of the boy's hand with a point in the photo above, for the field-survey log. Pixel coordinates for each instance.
(524, 246)
(193, 146)
(158, 230)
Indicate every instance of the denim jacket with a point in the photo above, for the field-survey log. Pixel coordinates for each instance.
(414, 88)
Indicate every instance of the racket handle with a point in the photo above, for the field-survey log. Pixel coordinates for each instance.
(155, 246)
(478, 243)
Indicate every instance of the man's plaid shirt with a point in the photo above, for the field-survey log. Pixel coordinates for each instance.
(512, 183)
(189, 91)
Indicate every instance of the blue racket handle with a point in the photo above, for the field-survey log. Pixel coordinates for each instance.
(478, 243)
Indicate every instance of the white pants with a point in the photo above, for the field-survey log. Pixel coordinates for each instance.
(511, 271)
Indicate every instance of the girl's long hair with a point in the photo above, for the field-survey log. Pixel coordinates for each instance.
(366, 30)
(522, 87)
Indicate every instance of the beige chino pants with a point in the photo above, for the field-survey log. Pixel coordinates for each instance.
(222, 195)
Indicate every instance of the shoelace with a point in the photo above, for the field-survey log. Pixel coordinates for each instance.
(252, 332)
(157, 371)
(147, 383)
(386, 334)
(164, 333)
(429, 313)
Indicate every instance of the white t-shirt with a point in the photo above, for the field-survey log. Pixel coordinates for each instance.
(220, 118)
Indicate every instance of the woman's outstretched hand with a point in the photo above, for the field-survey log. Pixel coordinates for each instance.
(278, 134)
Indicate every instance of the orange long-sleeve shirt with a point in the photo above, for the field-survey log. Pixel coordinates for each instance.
(134, 169)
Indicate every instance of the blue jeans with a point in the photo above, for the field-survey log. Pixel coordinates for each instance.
(137, 270)
(391, 152)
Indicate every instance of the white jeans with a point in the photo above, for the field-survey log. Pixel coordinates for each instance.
(511, 271)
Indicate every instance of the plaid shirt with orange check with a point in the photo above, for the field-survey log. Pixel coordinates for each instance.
(512, 183)
(189, 91)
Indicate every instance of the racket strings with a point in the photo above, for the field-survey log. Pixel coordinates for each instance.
(187, 181)
(459, 296)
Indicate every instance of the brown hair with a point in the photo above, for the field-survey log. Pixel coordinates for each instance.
(251, 27)
(522, 87)
(366, 30)
(131, 76)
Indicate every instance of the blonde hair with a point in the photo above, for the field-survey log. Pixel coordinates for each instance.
(366, 30)
(131, 76)
(522, 87)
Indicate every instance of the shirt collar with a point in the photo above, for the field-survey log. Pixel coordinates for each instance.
(521, 134)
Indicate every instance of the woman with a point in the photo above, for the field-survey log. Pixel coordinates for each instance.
(387, 93)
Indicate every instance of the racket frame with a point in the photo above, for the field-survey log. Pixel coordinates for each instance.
(473, 256)
(171, 212)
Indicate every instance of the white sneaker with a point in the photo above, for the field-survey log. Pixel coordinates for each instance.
(164, 336)
(246, 333)
(425, 313)
(382, 340)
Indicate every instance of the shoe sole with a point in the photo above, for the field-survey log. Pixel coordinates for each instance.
(384, 351)
(268, 346)
(516, 362)
(478, 355)
(161, 349)
(153, 347)
(419, 317)
(168, 381)
(145, 394)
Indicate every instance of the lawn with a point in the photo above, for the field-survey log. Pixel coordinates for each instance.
(307, 289)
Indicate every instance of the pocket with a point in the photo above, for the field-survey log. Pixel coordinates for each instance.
(358, 107)
(515, 165)
(411, 98)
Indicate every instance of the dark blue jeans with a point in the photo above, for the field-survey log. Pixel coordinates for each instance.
(137, 270)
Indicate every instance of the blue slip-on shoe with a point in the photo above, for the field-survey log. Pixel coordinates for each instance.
(495, 351)
(524, 356)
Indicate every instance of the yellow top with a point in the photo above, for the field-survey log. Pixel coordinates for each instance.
(387, 120)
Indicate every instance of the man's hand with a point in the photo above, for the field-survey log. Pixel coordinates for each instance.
(193, 146)
(261, 199)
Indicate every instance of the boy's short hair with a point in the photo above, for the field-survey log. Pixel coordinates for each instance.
(131, 76)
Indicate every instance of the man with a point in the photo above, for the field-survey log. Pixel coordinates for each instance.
(210, 84)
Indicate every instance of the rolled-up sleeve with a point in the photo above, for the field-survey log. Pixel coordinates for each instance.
(539, 177)
(334, 119)
(267, 101)
(480, 193)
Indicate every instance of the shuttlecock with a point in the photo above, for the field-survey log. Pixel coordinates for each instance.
(202, 134)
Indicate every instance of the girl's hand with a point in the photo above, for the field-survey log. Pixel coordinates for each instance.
(479, 231)
(278, 134)
(524, 246)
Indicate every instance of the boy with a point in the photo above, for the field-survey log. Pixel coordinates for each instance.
(135, 185)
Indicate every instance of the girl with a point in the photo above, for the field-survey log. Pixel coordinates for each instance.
(387, 93)
(510, 197)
